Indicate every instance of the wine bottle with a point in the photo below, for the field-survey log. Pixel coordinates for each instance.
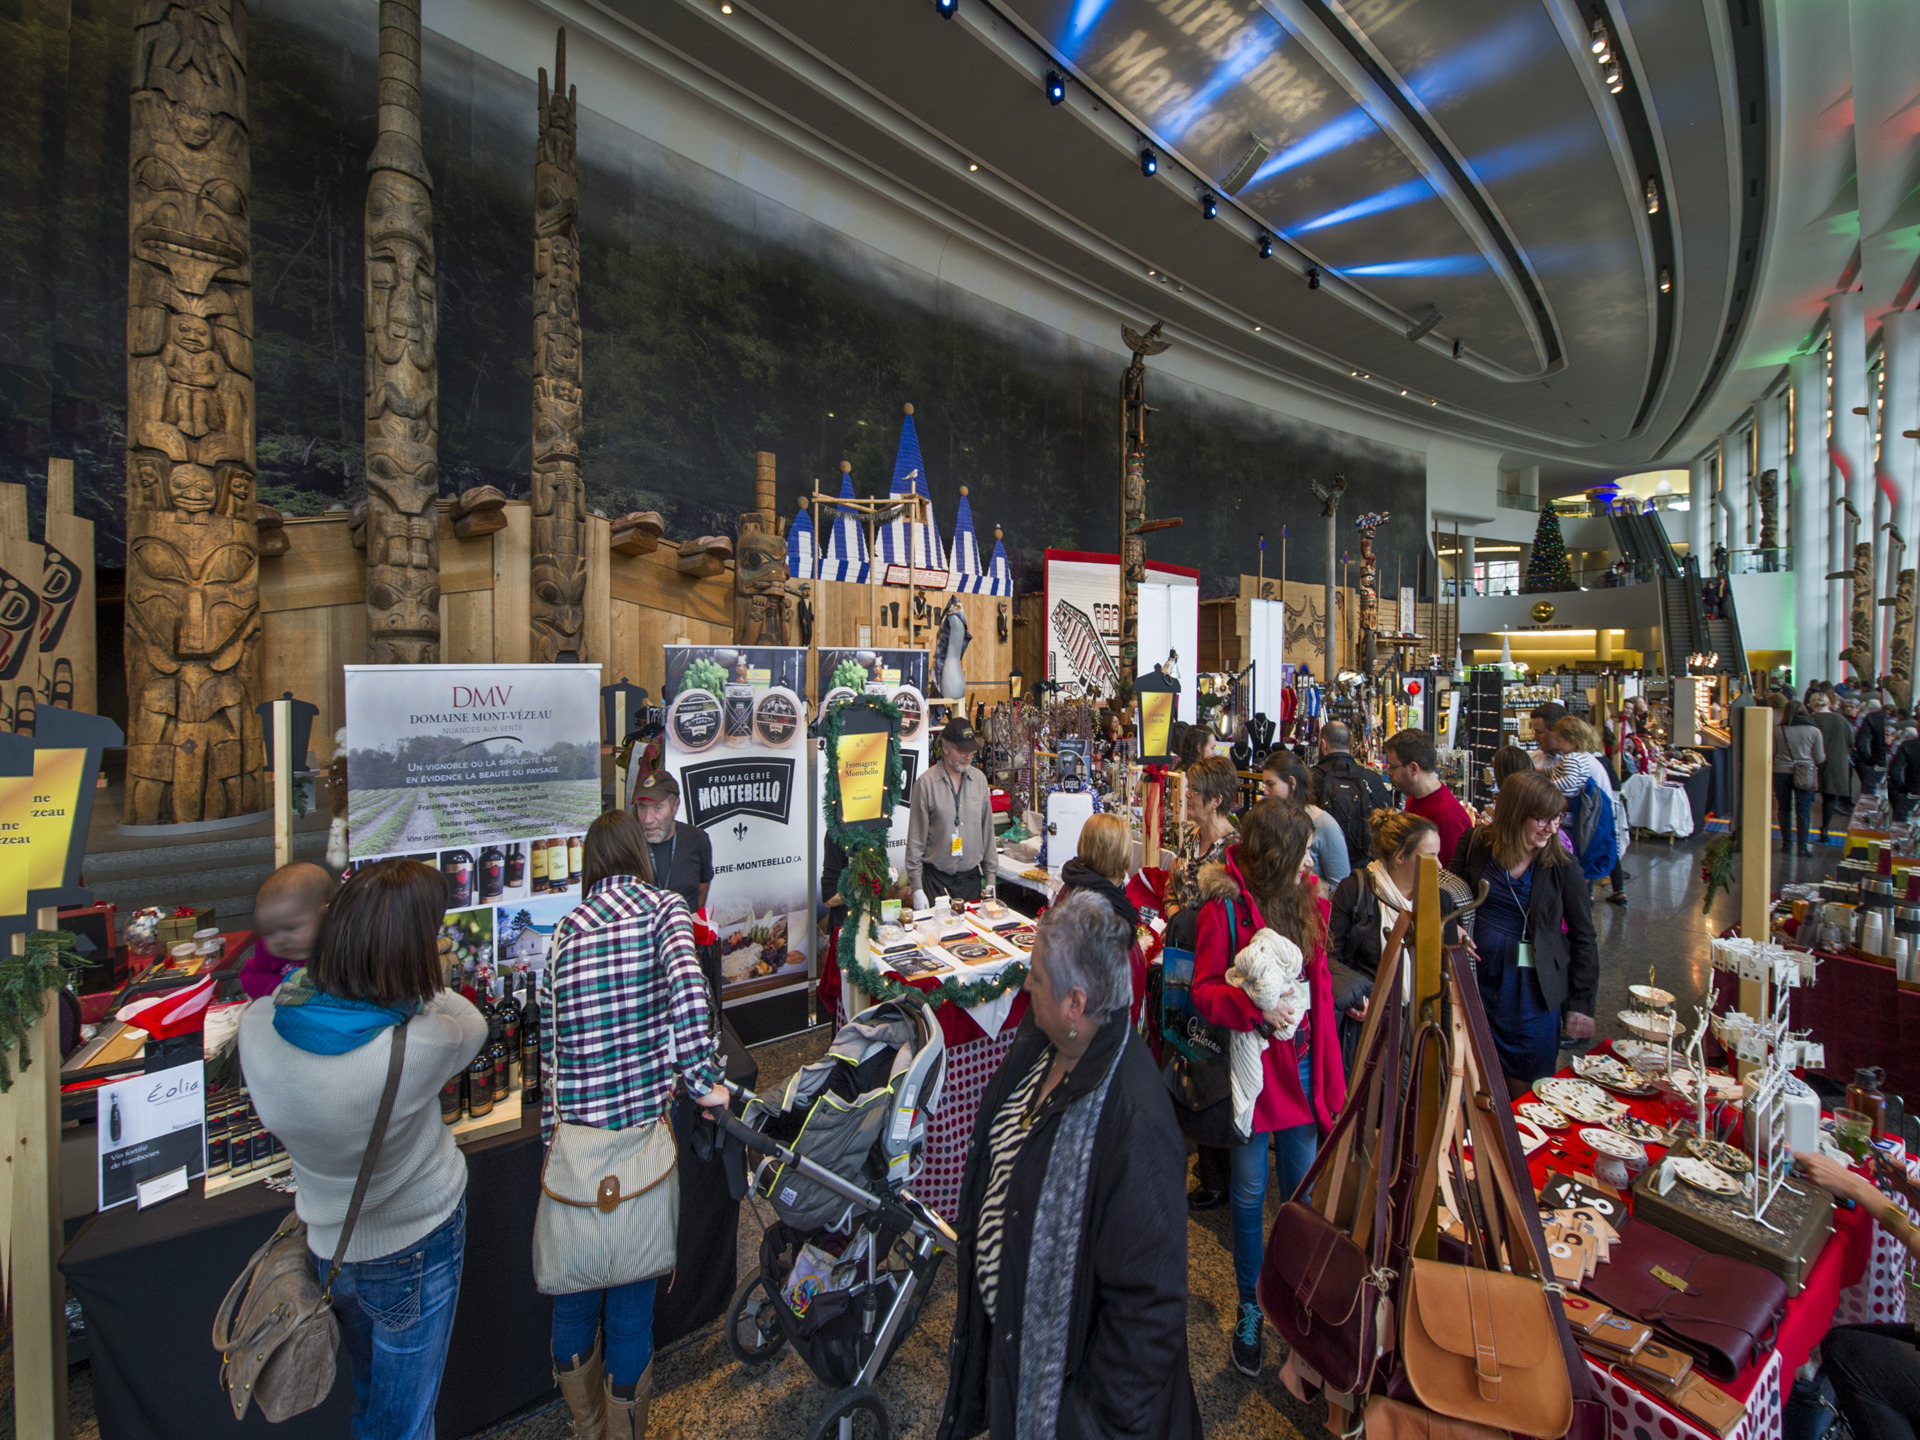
(538, 885)
(480, 1085)
(497, 1053)
(557, 864)
(516, 867)
(457, 866)
(530, 1089)
(492, 865)
(451, 1095)
(576, 852)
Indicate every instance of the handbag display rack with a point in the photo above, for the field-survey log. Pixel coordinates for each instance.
(1409, 1332)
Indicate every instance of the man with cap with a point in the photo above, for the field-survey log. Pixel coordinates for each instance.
(682, 855)
(950, 821)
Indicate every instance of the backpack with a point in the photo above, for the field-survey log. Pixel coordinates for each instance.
(1345, 798)
(1596, 843)
(1197, 1055)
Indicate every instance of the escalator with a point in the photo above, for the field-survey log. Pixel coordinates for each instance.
(1684, 627)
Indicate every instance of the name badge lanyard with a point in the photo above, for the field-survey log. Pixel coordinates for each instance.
(1525, 960)
(954, 849)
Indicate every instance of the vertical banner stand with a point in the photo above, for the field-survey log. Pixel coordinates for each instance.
(39, 1307)
(1756, 847)
(1428, 992)
(283, 765)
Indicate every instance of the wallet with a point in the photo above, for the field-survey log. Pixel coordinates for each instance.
(1717, 1309)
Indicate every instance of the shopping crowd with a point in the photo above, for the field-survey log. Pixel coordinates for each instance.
(1077, 1170)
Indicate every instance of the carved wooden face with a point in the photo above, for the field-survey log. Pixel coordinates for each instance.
(59, 585)
(401, 324)
(193, 593)
(406, 477)
(561, 592)
(760, 559)
(192, 226)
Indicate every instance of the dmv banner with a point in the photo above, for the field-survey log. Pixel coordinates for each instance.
(489, 773)
(736, 741)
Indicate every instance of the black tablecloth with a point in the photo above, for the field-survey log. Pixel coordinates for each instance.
(150, 1284)
(1700, 799)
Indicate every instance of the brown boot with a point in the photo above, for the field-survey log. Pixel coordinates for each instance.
(584, 1389)
(627, 1419)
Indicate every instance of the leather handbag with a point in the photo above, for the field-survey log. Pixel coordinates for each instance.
(1719, 1310)
(1392, 1420)
(1478, 1346)
(1198, 1069)
(275, 1330)
(609, 1208)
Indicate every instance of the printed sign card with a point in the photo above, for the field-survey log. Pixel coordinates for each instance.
(148, 1126)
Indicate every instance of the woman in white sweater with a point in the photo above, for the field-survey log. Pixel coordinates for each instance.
(315, 1054)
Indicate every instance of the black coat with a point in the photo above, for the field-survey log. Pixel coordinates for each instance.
(1126, 1359)
(1903, 774)
(1560, 919)
(1353, 946)
(1870, 742)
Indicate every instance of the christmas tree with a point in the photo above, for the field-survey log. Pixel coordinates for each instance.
(1548, 570)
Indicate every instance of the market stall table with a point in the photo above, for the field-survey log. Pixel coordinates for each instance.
(1660, 809)
(150, 1282)
(1855, 1276)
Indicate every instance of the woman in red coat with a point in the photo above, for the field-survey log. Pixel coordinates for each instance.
(1260, 884)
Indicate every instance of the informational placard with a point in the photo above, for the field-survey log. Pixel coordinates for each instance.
(869, 671)
(737, 743)
(1083, 620)
(46, 802)
(915, 744)
(490, 773)
(148, 1126)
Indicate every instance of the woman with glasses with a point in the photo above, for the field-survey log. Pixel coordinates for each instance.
(1534, 934)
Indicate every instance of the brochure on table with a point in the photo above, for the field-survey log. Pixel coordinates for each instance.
(939, 946)
(150, 1126)
(489, 773)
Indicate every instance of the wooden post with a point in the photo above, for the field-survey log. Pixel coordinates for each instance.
(1756, 841)
(619, 736)
(39, 1296)
(283, 767)
(1428, 989)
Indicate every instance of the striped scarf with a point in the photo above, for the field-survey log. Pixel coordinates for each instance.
(1059, 1219)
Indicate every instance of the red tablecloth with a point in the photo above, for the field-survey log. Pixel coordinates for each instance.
(1808, 1316)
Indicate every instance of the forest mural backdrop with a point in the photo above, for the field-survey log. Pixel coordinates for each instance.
(716, 322)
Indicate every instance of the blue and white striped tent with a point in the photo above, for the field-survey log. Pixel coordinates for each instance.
(968, 573)
(845, 557)
(999, 571)
(803, 557)
(900, 538)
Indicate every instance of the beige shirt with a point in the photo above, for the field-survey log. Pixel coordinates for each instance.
(932, 824)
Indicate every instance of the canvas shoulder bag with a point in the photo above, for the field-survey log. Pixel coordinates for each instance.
(609, 1209)
(275, 1329)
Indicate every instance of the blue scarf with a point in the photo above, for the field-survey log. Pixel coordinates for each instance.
(323, 1024)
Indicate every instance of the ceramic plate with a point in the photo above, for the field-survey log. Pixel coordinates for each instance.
(1703, 1176)
(1545, 1116)
(1651, 996)
(1577, 1098)
(1634, 1128)
(1607, 1143)
(1721, 1156)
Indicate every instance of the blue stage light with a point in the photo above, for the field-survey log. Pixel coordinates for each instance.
(1149, 162)
(1056, 88)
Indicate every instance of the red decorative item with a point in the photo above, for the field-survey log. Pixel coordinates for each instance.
(1413, 687)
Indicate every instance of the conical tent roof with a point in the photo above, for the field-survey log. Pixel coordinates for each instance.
(846, 552)
(999, 570)
(802, 555)
(968, 573)
(902, 539)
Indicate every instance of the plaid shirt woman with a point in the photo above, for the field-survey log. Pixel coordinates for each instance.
(625, 1013)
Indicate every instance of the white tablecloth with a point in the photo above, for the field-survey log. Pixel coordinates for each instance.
(1663, 809)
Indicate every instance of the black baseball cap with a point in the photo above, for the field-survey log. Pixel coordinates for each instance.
(660, 785)
(959, 735)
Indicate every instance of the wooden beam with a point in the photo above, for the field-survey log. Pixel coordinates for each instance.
(39, 1295)
(1756, 840)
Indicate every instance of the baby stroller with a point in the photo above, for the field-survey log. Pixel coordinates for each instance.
(847, 1264)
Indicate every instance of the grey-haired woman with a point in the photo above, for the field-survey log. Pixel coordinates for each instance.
(1074, 1179)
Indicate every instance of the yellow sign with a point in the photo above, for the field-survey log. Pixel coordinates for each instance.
(36, 825)
(863, 776)
(1156, 721)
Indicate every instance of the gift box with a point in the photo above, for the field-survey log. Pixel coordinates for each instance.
(175, 928)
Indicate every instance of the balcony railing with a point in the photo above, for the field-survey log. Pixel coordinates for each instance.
(1778, 560)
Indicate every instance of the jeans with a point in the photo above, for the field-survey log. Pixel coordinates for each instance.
(1796, 807)
(396, 1316)
(626, 1312)
(1293, 1152)
(1875, 1371)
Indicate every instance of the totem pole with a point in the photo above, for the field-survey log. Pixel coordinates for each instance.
(1329, 497)
(403, 387)
(1767, 488)
(1900, 656)
(1133, 489)
(1367, 525)
(760, 582)
(194, 749)
(559, 561)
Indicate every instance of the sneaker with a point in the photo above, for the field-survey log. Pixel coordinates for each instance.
(1247, 1339)
(1618, 897)
(1200, 1198)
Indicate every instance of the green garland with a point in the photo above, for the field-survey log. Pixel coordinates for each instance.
(24, 982)
(1716, 868)
(863, 883)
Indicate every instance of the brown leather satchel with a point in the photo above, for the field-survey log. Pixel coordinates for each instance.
(275, 1329)
(1478, 1345)
(1392, 1420)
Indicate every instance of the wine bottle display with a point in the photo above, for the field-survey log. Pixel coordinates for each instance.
(492, 873)
(538, 859)
(557, 863)
(457, 866)
(516, 867)
(576, 854)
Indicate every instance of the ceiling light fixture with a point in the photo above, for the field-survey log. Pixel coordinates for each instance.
(1149, 162)
(1653, 196)
(946, 7)
(1056, 87)
(1313, 277)
(1266, 247)
(1209, 207)
(1256, 329)
(971, 167)
(1666, 282)
(1615, 84)
(1602, 44)
(726, 9)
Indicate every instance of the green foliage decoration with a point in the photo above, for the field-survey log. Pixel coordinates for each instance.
(849, 675)
(705, 675)
(48, 964)
(1547, 568)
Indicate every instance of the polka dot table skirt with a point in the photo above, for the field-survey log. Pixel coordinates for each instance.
(1881, 1292)
(1634, 1415)
(969, 1068)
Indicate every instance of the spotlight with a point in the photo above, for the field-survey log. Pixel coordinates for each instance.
(1209, 207)
(1653, 196)
(946, 7)
(1149, 163)
(1313, 277)
(1056, 87)
(972, 166)
(1666, 282)
(1599, 37)
(726, 9)
(1615, 84)
(1266, 247)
